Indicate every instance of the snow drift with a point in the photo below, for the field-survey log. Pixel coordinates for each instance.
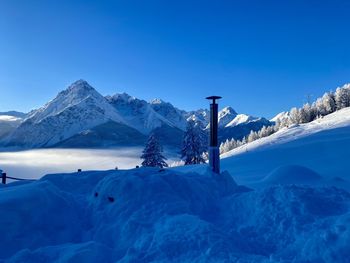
(293, 174)
(151, 215)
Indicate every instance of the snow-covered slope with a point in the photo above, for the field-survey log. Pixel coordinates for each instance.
(172, 114)
(322, 145)
(281, 115)
(226, 115)
(199, 116)
(147, 215)
(75, 109)
(240, 119)
(143, 116)
(241, 126)
(78, 95)
(291, 211)
(233, 125)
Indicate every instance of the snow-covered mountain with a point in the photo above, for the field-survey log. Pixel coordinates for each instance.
(240, 126)
(81, 117)
(175, 116)
(285, 199)
(226, 115)
(201, 116)
(145, 117)
(76, 109)
(281, 115)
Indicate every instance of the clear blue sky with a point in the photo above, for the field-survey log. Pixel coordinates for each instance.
(263, 57)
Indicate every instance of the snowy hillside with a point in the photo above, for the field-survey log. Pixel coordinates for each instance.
(322, 145)
(81, 117)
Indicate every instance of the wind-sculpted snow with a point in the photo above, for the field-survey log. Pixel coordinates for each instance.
(151, 215)
(291, 174)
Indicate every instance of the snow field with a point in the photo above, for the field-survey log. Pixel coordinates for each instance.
(151, 215)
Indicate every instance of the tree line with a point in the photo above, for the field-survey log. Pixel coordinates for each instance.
(327, 104)
(194, 147)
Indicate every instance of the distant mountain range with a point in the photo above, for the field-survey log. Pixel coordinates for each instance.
(79, 116)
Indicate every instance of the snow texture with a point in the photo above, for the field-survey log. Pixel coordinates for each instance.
(322, 146)
(291, 211)
(151, 215)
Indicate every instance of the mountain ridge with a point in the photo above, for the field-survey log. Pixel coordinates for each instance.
(80, 108)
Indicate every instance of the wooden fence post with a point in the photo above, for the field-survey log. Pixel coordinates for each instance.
(3, 178)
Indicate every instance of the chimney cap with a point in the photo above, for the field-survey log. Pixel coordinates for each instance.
(213, 98)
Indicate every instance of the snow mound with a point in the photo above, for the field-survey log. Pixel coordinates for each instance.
(291, 223)
(292, 174)
(34, 214)
(152, 215)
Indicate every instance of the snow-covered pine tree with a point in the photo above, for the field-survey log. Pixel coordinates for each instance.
(305, 113)
(194, 144)
(252, 136)
(152, 154)
(263, 132)
(224, 146)
(320, 108)
(329, 102)
(342, 98)
(295, 117)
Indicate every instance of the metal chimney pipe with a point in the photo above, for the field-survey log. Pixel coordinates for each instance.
(214, 151)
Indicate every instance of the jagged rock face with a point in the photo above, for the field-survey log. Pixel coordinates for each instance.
(79, 113)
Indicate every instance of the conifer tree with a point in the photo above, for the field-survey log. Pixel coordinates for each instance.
(152, 154)
(329, 102)
(194, 144)
(342, 98)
